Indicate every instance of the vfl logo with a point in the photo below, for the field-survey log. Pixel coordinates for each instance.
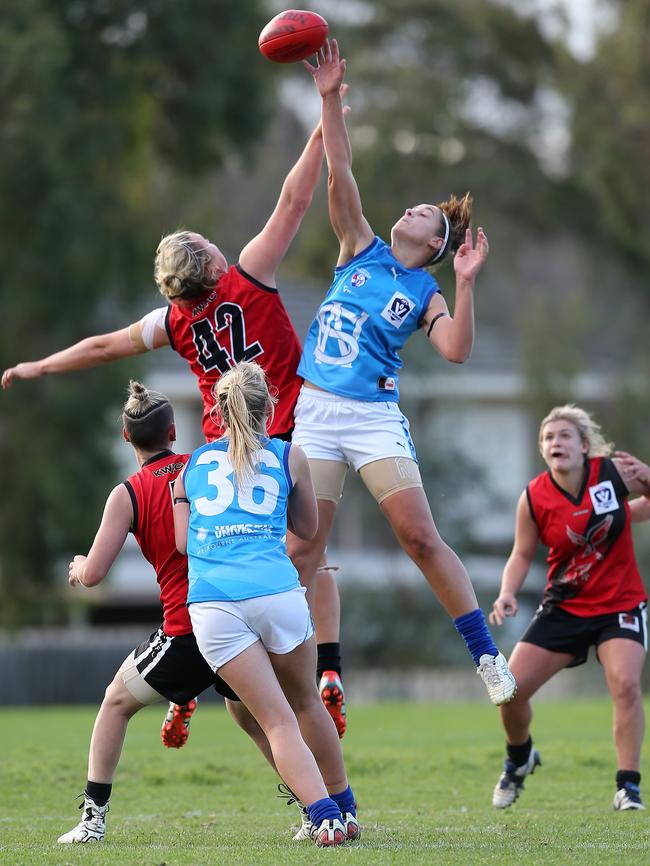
(603, 497)
(628, 620)
(331, 320)
(397, 309)
(359, 278)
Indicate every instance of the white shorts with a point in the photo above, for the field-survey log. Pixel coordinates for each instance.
(329, 427)
(224, 629)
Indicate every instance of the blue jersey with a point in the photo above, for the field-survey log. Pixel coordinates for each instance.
(372, 308)
(236, 542)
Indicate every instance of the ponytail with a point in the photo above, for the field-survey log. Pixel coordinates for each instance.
(244, 403)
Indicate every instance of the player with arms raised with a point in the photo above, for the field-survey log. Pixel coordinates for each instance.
(347, 412)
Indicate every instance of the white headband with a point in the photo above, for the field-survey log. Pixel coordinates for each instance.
(441, 251)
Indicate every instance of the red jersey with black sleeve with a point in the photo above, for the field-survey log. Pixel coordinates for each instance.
(150, 490)
(592, 567)
(239, 320)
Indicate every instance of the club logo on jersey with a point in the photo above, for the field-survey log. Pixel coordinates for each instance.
(628, 620)
(568, 582)
(359, 278)
(603, 497)
(397, 309)
(332, 319)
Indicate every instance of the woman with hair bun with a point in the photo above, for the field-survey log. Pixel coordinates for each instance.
(594, 595)
(167, 665)
(233, 503)
(348, 412)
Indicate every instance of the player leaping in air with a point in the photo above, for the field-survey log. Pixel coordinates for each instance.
(347, 412)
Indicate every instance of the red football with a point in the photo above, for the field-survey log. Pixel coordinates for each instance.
(292, 35)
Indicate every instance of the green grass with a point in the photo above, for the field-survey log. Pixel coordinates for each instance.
(423, 776)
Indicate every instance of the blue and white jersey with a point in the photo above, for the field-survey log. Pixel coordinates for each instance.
(371, 309)
(236, 542)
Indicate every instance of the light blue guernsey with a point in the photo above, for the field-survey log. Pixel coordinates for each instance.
(236, 543)
(373, 306)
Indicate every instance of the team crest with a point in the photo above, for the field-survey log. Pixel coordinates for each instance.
(603, 497)
(397, 309)
(359, 278)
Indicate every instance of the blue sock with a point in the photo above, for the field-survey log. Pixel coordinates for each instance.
(473, 628)
(322, 809)
(345, 801)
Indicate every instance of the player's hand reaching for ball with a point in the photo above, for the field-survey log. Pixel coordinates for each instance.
(505, 605)
(329, 70)
(469, 259)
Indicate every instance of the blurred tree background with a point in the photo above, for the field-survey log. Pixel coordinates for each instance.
(123, 119)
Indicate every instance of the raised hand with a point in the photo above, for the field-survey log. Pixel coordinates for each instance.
(631, 468)
(329, 70)
(469, 259)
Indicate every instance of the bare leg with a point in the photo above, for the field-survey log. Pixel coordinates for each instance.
(109, 730)
(532, 666)
(308, 555)
(294, 672)
(623, 662)
(326, 609)
(251, 676)
(247, 723)
(409, 515)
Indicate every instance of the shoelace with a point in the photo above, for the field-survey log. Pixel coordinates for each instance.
(287, 794)
(89, 816)
(490, 673)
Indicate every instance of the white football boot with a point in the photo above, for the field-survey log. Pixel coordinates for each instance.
(330, 832)
(511, 781)
(91, 828)
(499, 681)
(628, 797)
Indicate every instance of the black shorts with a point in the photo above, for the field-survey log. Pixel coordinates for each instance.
(560, 632)
(175, 668)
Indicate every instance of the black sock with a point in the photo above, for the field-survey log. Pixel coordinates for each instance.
(519, 754)
(329, 658)
(99, 792)
(623, 776)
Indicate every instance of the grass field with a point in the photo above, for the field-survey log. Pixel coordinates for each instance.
(423, 776)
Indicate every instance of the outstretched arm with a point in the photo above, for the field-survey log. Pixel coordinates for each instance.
(262, 255)
(111, 535)
(91, 352)
(346, 214)
(454, 337)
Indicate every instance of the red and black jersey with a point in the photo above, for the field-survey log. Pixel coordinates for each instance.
(239, 320)
(150, 490)
(592, 567)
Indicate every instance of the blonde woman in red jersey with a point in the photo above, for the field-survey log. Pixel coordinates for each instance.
(594, 595)
(168, 665)
(216, 316)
